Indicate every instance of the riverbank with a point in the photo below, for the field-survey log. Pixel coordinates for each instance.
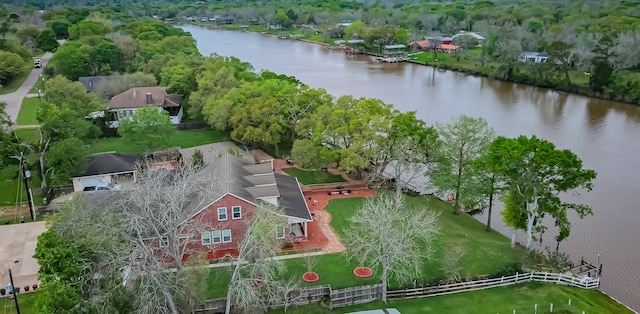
(468, 63)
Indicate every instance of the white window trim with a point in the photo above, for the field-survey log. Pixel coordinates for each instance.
(230, 238)
(213, 237)
(239, 211)
(164, 241)
(226, 214)
(202, 237)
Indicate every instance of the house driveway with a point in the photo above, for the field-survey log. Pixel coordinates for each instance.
(18, 243)
(14, 100)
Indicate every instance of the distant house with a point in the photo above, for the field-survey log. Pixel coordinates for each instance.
(124, 105)
(89, 82)
(534, 57)
(106, 168)
(424, 45)
(394, 49)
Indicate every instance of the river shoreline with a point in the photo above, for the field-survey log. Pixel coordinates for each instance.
(572, 89)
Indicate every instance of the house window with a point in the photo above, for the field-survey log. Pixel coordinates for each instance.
(164, 241)
(216, 237)
(280, 232)
(222, 213)
(121, 113)
(206, 237)
(226, 236)
(236, 212)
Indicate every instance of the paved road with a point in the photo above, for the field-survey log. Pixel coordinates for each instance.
(14, 100)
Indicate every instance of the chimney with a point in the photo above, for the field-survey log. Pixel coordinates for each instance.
(149, 99)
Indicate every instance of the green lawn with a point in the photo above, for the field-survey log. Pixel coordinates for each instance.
(26, 301)
(521, 298)
(30, 135)
(487, 252)
(17, 81)
(9, 184)
(308, 177)
(179, 139)
(27, 114)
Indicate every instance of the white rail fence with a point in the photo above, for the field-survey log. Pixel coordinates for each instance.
(584, 282)
(364, 294)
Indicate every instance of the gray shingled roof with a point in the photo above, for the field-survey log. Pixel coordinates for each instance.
(291, 197)
(106, 163)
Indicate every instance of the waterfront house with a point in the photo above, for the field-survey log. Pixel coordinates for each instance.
(533, 57)
(125, 104)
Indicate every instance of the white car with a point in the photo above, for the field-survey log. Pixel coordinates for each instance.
(103, 187)
(37, 63)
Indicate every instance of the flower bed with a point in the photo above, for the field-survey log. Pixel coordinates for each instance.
(363, 272)
(310, 276)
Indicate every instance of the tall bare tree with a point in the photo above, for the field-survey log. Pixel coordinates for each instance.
(254, 271)
(40, 149)
(383, 238)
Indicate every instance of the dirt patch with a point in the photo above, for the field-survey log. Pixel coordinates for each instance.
(11, 212)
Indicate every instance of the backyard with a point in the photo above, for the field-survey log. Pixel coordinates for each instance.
(179, 139)
(308, 177)
(512, 299)
(9, 185)
(486, 252)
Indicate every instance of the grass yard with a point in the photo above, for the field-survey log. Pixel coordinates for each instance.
(487, 252)
(17, 81)
(308, 177)
(26, 301)
(520, 298)
(9, 184)
(27, 114)
(180, 138)
(30, 135)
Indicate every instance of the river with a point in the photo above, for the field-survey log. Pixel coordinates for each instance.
(602, 133)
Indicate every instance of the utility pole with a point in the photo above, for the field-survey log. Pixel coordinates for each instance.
(15, 293)
(25, 176)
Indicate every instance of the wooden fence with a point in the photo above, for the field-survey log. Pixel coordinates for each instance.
(364, 294)
(585, 283)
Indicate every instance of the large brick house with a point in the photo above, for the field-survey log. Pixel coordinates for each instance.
(245, 186)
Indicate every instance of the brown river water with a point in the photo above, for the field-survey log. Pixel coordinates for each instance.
(604, 134)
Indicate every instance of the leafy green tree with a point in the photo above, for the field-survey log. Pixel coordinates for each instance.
(535, 173)
(560, 58)
(61, 122)
(47, 40)
(356, 30)
(105, 58)
(281, 18)
(464, 140)
(71, 60)
(11, 65)
(86, 28)
(292, 16)
(178, 75)
(60, 28)
(66, 158)
(197, 159)
(8, 141)
(59, 91)
(150, 127)
(601, 68)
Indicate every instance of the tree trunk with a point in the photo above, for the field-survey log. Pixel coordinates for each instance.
(384, 284)
(172, 304)
(435, 54)
(513, 239)
(277, 150)
(566, 74)
(489, 213)
(43, 173)
(490, 204)
(234, 277)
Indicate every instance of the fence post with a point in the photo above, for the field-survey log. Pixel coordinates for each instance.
(516, 277)
(545, 276)
(572, 279)
(502, 279)
(559, 277)
(551, 308)
(531, 276)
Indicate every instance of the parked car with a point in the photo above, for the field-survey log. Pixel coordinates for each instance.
(103, 187)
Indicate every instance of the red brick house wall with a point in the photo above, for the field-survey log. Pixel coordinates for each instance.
(209, 218)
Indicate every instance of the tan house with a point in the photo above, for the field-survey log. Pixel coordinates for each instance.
(124, 105)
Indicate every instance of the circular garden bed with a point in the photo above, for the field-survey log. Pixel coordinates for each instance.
(310, 276)
(363, 272)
